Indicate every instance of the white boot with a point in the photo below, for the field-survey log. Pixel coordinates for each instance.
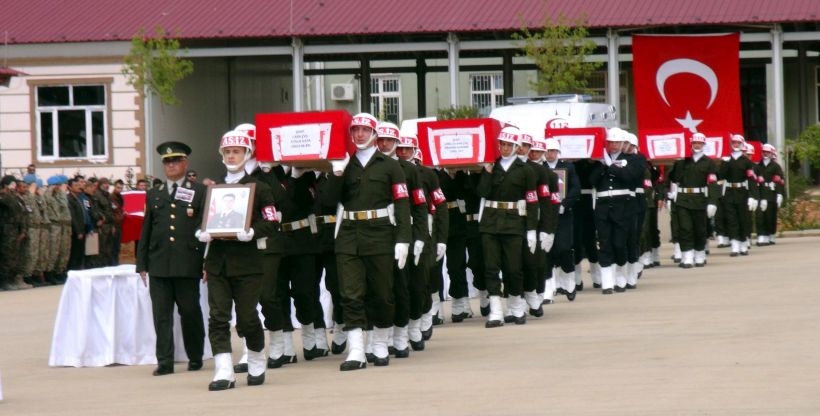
(608, 278)
(632, 274)
(224, 377)
(414, 333)
(380, 336)
(688, 259)
(744, 247)
(242, 365)
(619, 274)
(400, 339)
(579, 278)
(435, 310)
(519, 310)
(368, 346)
(496, 316)
(595, 274)
(276, 344)
(466, 308)
(321, 339)
(646, 259)
(676, 253)
(455, 309)
(532, 299)
(735, 248)
(308, 338)
(700, 258)
(287, 337)
(656, 256)
(771, 239)
(355, 357)
(549, 290)
(256, 367)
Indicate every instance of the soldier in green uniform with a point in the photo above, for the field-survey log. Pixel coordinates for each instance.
(453, 183)
(27, 252)
(696, 200)
(33, 243)
(740, 195)
(509, 211)
(373, 230)
(234, 269)
(771, 196)
(169, 254)
(11, 234)
(561, 259)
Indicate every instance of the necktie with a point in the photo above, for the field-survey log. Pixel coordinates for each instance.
(173, 189)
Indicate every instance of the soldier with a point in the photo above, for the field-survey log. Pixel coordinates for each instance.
(12, 235)
(585, 239)
(560, 258)
(535, 265)
(510, 210)
(234, 271)
(35, 223)
(740, 194)
(373, 231)
(633, 241)
(771, 196)
(614, 189)
(410, 283)
(172, 257)
(696, 200)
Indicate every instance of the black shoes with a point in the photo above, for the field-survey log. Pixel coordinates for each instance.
(546, 301)
(560, 291)
(461, 317)
(685, 265)
(744, 253)
(221, 385)
(493, 324)
(417, 345)
(352, 365)
(520, 320)
(314, 352)
(370, 357)
(537, 312)
(282, 360)
(579, 287)
(242, 367)
(485, 310)
(596, 285)
(381, 362)
(427, 334)
(163, 370)
(620, 289)
(337, 349)
(700, 264)
(195, 365)
(437, 320)
(508, 319)
(256, 380)
(607, 291)
(733, 254)
(628, 286)
(571, 296)
(402, 353)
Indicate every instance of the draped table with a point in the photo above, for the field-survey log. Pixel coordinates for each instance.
(104, 317)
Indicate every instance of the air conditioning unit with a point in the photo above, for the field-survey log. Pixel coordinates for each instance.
(341, 92)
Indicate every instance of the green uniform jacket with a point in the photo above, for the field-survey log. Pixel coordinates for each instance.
(454, 190)
(275, 243)
(773, 181)
(688, 173)
(328, 186)
(515, 184)
(371, 187)
(167, 245)
(735, 171)
(549, 198)
(418, 201)
(437, 205)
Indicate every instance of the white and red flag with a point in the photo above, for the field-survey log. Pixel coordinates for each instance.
(689, 82)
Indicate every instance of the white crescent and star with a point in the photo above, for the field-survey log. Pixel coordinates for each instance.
(687, 66)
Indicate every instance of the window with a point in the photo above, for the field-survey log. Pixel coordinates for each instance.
(385, 97)
(486, 92)
(71, 122)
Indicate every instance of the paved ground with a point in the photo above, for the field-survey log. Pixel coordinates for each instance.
(739, 337)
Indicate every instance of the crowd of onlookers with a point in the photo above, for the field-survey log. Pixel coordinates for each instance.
(60, 224)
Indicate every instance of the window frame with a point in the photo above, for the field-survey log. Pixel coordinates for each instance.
(106, 109)
(381, 95)
(495, 91)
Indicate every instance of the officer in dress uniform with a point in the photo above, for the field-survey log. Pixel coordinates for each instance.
(695, 202)
(771, 196)
(560, 258)
(614, 190)
(453, 183)
(549, 200)
(171, 257)
(585, 239)
(373, 231)
(633, 252)
(740, 195)
(234, 269)
(509, 210)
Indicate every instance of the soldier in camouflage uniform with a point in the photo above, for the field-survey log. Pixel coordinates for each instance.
(61, 234)
(27, 252)
(11, 235)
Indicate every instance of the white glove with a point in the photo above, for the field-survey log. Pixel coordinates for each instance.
(561, 210)
(621, 163)
(668, 204)
(338, 166)
(779, 200)
(672, 196)
(203, 237)
(763, 205)
(546, 241)
(400, 253)
(441, 250)
(711, 210)
(245, 236)
(752, 203)
(295, 172)
(418, 247)
(531, 241)
(488, 167)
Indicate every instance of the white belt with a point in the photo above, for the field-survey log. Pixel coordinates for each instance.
(326, 219)
(770, 185)
(471, 217)
(296, 225)
(743, 184)
(617, 192)
(691, 190)
(365, 215)
(638, 190)
(501, 204)
(587, 191)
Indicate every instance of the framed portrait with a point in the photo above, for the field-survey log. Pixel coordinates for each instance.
(230, 209)
(562, 182)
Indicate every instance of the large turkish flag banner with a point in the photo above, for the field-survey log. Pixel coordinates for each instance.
(689, 82)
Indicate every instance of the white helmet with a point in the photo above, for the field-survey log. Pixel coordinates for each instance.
(526, 138)
(235, 138)
(388, 130)
(553, 144)
(615, 134)
(366, 120)
(698, 138)
(631, 138)
(510, 134)
(250, 130)
(539, 145)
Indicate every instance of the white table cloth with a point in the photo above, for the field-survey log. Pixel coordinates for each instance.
(105, 317)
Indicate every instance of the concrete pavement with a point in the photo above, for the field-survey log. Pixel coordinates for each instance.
(738, 337)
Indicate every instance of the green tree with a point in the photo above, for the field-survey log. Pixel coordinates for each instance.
(807, 145)
(153, 65)
(559, 50)
(456, 113)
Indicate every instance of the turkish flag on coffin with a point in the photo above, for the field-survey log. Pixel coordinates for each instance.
(689, 82)
(134, 210)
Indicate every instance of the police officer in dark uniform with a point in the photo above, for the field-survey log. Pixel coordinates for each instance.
(373, 232)
(614, 189)
(771, 196)
(234, 270)
(171, 256)
(510, 210)
(740, 194)
(561, 258)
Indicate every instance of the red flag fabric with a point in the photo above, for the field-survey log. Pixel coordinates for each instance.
(134, 209)
(689, 82)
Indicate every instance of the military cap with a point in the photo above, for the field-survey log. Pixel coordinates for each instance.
(173, 149)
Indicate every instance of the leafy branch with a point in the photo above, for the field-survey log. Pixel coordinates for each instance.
(153, 67)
